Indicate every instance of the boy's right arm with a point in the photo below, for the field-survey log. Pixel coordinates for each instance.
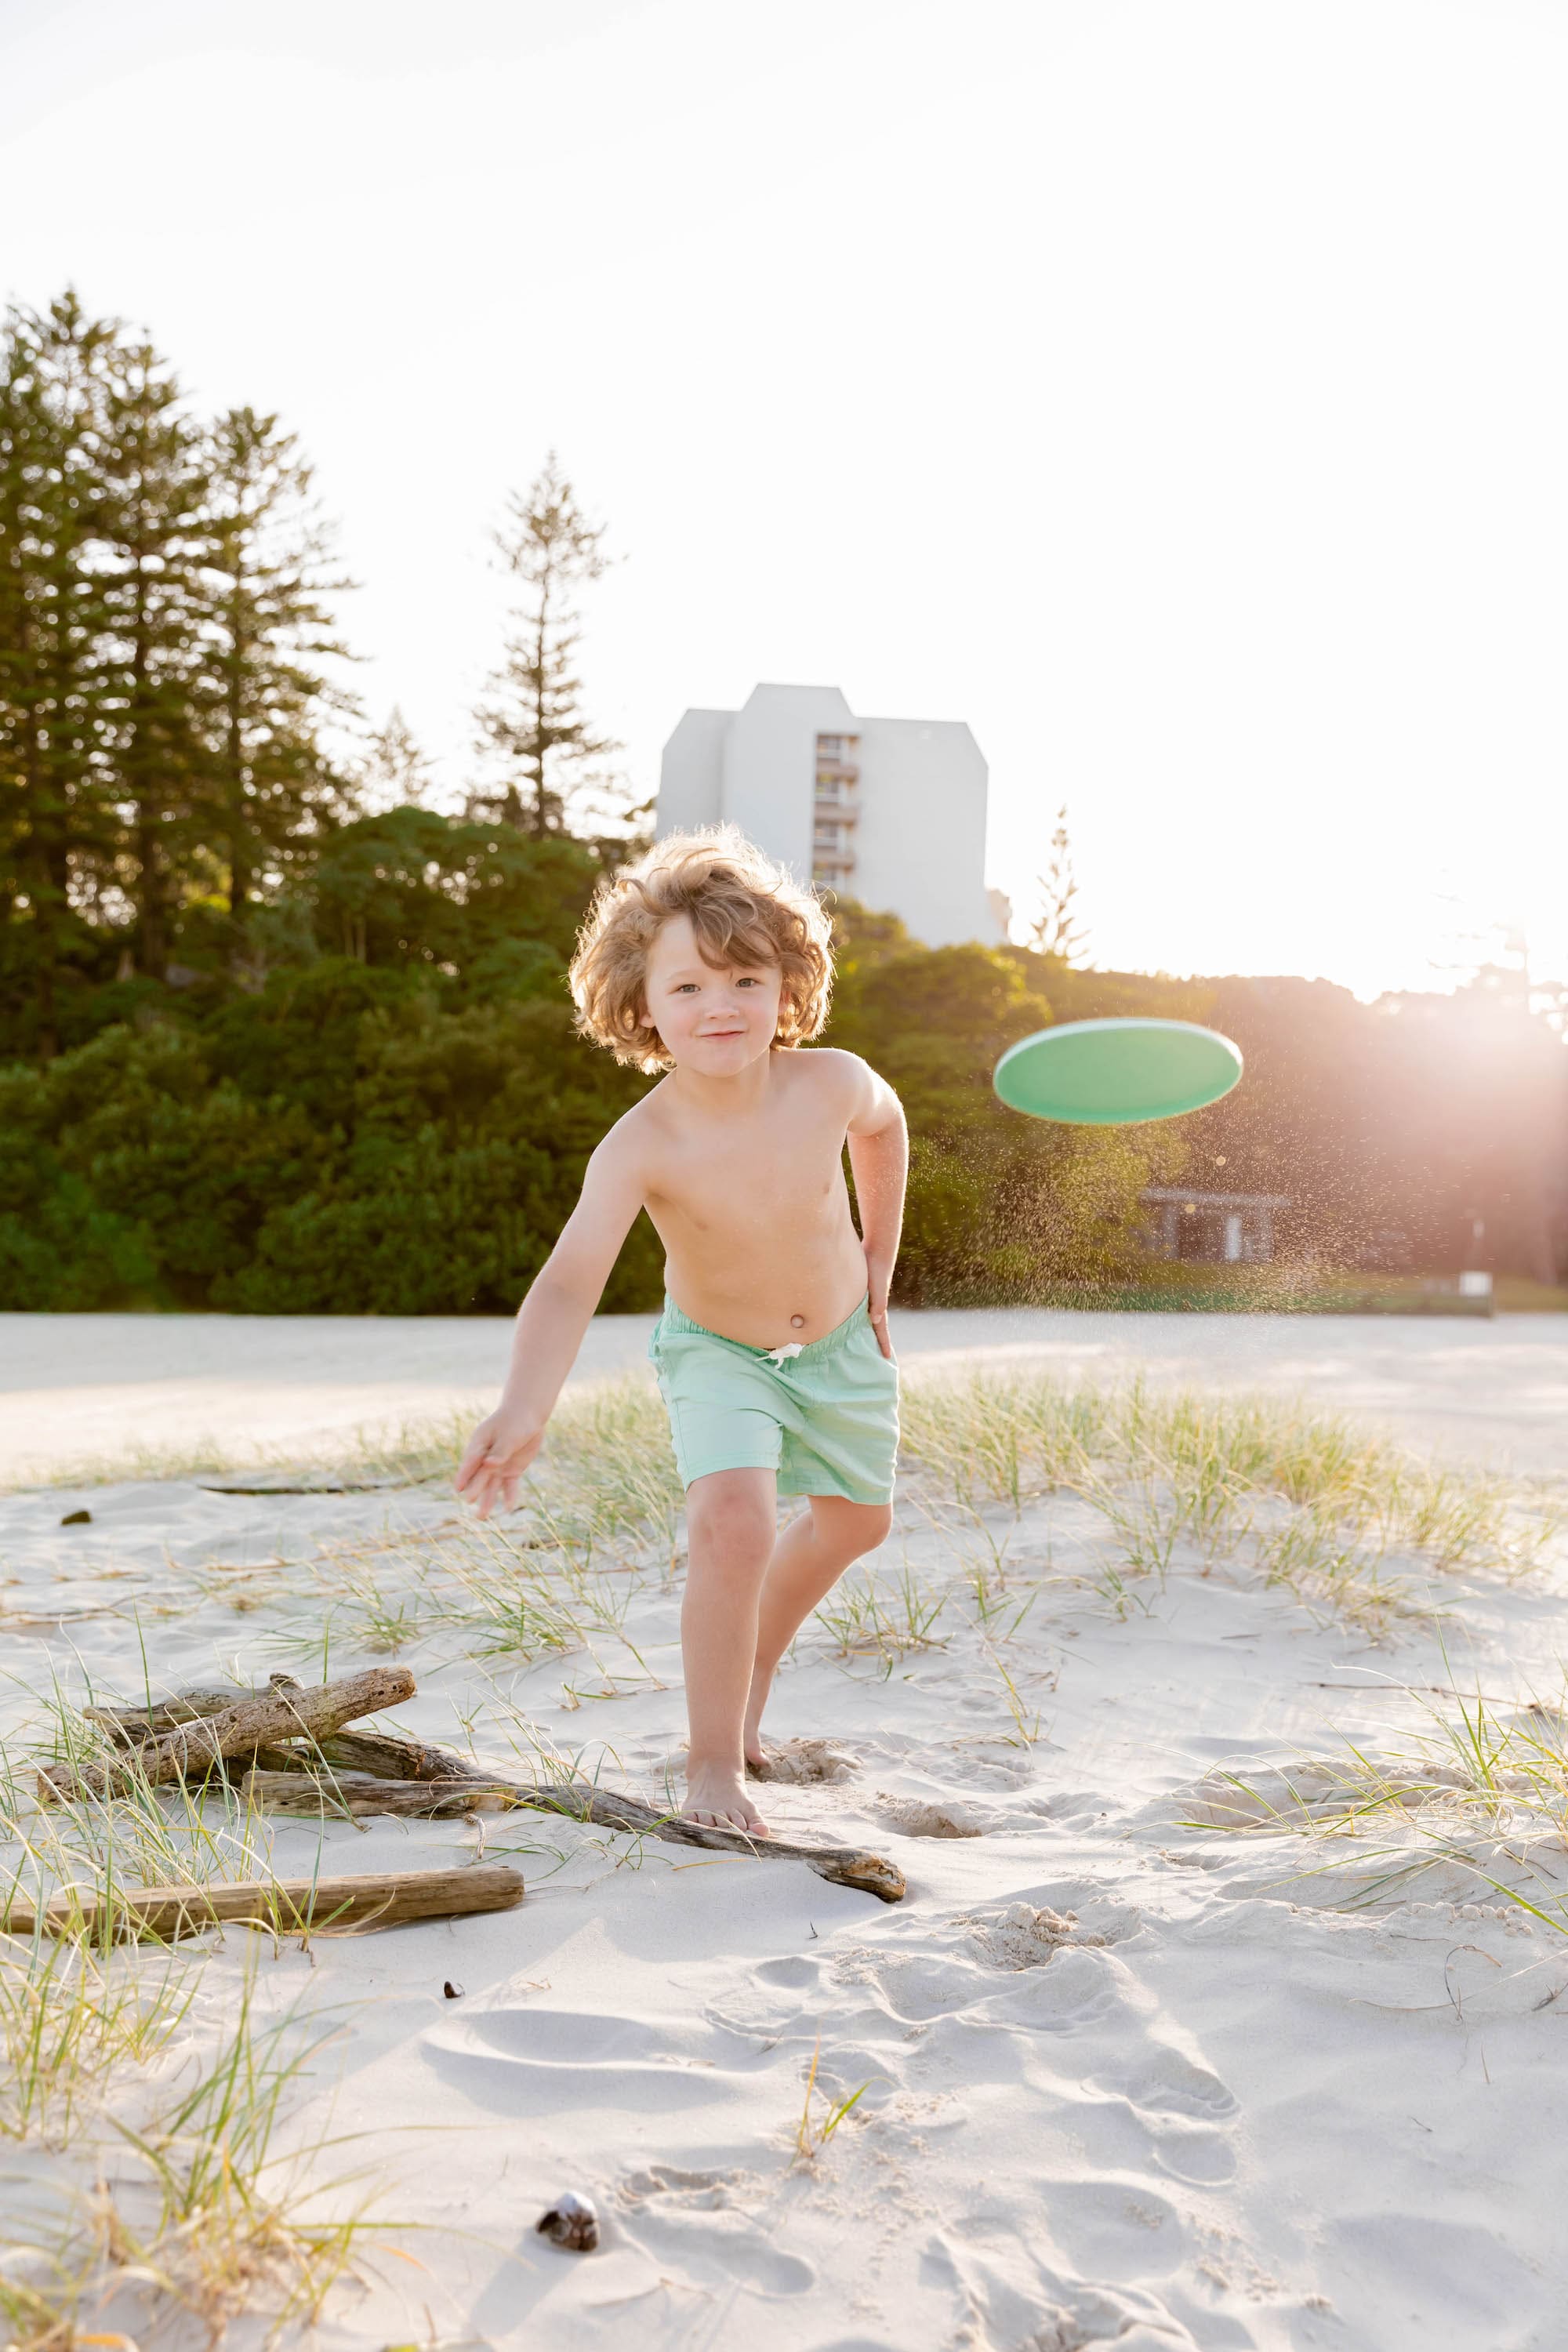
(551, 1321)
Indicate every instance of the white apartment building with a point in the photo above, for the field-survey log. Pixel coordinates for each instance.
(887, 811)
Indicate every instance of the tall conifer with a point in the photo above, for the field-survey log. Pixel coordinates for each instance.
(534, 723)
(395, 770)
(159, 539)
(268, 632)
(56, 697)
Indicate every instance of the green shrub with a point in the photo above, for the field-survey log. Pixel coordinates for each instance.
(420, 1228)
(58, 1248)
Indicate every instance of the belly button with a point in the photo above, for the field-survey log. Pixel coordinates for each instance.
(797, 1322)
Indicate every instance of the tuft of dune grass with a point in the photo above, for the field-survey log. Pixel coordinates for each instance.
(1474, 1791)
(1170, 1468)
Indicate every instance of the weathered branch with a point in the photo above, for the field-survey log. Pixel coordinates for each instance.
(578, 1800)
(127, 1727)
(414, 1778)
(846, 1865)
(286, 1905)
(386, 1756)
(315, 1794)
(283, 1714)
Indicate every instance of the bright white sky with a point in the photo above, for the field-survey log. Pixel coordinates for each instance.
(1174, 388)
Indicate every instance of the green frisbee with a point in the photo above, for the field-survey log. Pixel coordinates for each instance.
(1117, 1073)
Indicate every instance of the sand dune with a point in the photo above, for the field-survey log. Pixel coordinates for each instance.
(1129, 2075)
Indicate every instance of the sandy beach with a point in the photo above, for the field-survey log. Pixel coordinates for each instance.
(76, 1387)
(1209, 2018)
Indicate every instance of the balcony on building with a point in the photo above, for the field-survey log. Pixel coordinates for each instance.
(830, 859)
(837, 761)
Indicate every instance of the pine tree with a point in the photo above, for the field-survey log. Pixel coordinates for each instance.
(534, 723)
(57, 696)
(267, 632)
(159, 540)
(1056, 931)
(395, 771)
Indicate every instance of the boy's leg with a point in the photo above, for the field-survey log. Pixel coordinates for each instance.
(810, 1556)
(731, 1520)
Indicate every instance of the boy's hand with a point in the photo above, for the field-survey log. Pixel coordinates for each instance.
(498, 1454)
(876, 1280)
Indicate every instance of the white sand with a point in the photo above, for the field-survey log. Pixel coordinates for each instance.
(77, 1386)
(1225, 2111)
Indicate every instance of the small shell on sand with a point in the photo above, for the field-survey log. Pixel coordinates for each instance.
(573, 2221)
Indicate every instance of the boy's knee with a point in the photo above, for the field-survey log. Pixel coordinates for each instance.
(732, 1518)
(879, 1525)
(855, 1529)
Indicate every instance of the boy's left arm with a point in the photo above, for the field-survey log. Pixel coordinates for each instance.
(880, 1155)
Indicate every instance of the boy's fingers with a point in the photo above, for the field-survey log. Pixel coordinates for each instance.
(473, 1455)
(476, 1480)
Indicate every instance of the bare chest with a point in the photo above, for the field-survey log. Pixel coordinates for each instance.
(769, 1180)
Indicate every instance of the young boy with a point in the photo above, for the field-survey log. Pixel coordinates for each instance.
(705, 960)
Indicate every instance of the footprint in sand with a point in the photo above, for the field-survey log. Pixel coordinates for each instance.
(1168, 2084)
(1007, 2293)
(685, 2222)
(976, 1771)
(1030, 1930)
(689, 2191)
(1181, 2105)
(1026, 1935)
(531, 2060)
(802, 1761)
(925, 1817)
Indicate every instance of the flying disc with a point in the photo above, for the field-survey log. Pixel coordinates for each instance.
(1117, 1073)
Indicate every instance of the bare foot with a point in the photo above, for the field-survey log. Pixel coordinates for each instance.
(716, 1796)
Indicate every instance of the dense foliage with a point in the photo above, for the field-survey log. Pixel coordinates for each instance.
(404, 1129)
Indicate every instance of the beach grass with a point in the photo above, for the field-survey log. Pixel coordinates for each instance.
(1167, 1467)
(1306, 1500)
(1353, 1524)
(185, 2205)
(1476, 1789)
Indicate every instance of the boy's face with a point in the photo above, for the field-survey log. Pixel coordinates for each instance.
(712, 1020)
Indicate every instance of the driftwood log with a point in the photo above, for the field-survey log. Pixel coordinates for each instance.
(432, 1782)
(318, 1793)
(289, 1907)
(387, 1756)
(293, 1740)
(127, 1727)
(282, 1713)
(846, 1865)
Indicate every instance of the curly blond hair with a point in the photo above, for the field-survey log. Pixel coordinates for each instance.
(743, 907)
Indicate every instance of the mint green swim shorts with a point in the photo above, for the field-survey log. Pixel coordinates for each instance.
(824, 1419)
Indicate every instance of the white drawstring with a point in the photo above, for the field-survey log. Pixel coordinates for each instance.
(775, 1356)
